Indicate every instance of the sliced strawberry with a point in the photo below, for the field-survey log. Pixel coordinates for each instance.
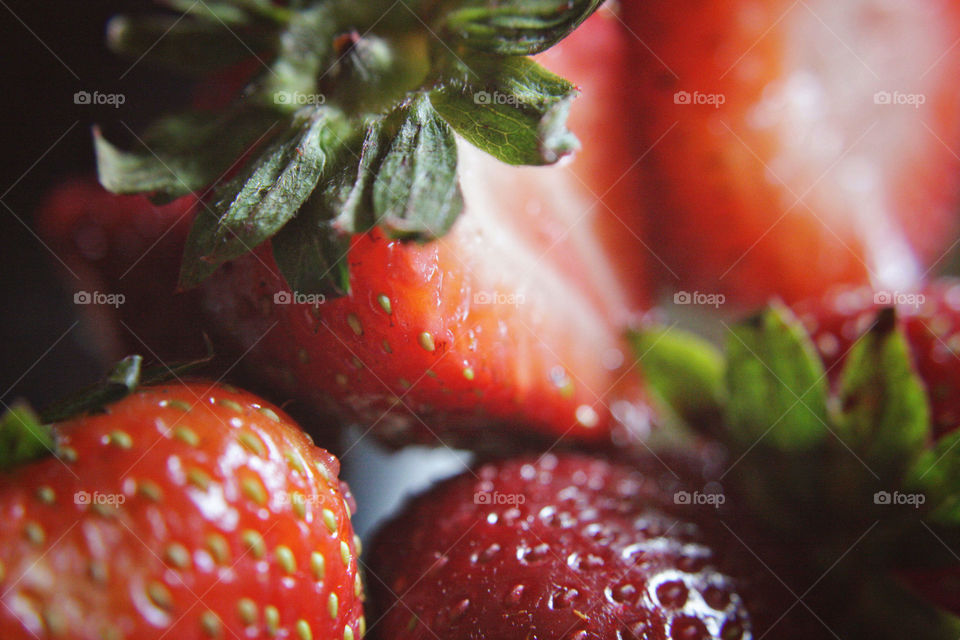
(183, 510)
(795, 146)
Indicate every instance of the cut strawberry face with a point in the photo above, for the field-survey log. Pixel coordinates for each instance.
(795, 146)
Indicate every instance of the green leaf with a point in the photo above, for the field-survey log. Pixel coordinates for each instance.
(885, 413)
(22, 437)
(684, 370)
(512, 108)
(312, 255)
(183, 44)
(936, 475)
(257, 204)
(776, 383)
(225, 11)
(349, 195)
(183, 153)
(416, 193)
(517, 27)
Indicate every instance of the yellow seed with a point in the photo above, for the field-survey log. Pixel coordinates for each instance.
(210, 623)
(468, 373)
(177, 555)
(104, 510)
(293, 461)
(46, 495)
(318, 565)
(230, 404)
(247, 610)
(98, 572)
(54, 621)
(358, 586)
(303, 630)
(362, 626)
(186, 435)
(150, 490)
(384, 303)
(330, 520)
(253, 489)
(333, 605)
(176, 404)
(219, 548)
(272, 617)
(299, 503)
(253, 542)
(160, 595)
(387, 347)
(354, 323)
(68, 454)
(285, 559)
(198, 478)
(357, 544)
(252, 443)
(3, 571)
(345, 552)
(270, 413)
(347, 633)
(341, 379)
(121, 439)
(35, 533)
(323, 471)
(426, 341)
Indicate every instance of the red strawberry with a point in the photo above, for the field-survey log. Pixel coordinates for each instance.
(555, 547)
(931, 319)
(791, 146)
(125, 246)
(183, 511)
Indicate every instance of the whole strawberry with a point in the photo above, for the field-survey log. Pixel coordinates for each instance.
(186, 510)
(552, 547)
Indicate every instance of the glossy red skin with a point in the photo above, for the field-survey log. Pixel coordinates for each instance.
(90, 573)
(932, 328)
(576, 548)
(721, 188)
(129, 246)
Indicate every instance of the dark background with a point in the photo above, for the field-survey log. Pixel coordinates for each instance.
(50, 50)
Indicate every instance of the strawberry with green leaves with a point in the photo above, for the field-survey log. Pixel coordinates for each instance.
(793, 146)
(379, 256)
(857, 476)
(564, 546)
(185, 510)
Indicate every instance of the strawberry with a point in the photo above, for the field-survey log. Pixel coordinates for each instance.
(512, 318)
(187, 510)
(930, 318)
(552, 547)
(791, 147)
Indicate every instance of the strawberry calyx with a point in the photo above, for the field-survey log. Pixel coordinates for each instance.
(349, 125)
(848, 471)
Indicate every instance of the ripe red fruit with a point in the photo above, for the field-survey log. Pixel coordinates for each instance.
(183, 510)
(795, 146)
(555, 547)
(931, 319)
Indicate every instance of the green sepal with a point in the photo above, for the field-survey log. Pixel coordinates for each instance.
(512, 108)
(23, 437)
(683, 369)
(885, 414)
(517, 27)
(182, 153)
(183, 44)
(416, 193)
(776, 383)
(936, 475)
(227, 12)
(258, 203)
(312, 255)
